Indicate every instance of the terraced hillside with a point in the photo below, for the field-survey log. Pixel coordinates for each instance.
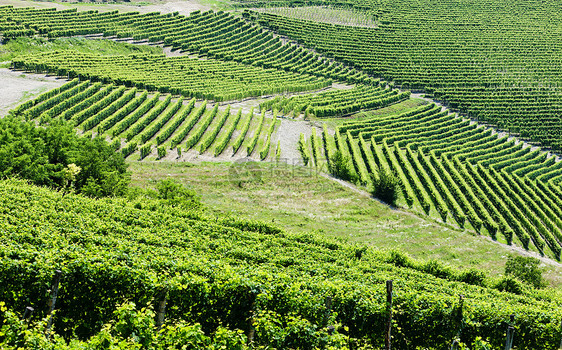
(218, 35)
(455, 169)
(148, 271)
(495, 61)
(153, 123)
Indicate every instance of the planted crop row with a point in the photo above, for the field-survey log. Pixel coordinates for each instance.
(225, 270)
(334, 103)
(456, 174)
(189, 77)
(452, 52)
(140, 118)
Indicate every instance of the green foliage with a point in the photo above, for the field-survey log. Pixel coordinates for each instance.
(216, 80)
(25, 46)
(221, 271)
(176, 195)
(303, 149)
(339, 166)
(223, 37)
(128, 328)
(43, 156)
(503, 79)
(473, 276)
(161, 152)
(336, 103)
(446, 165)
(510, 284)
(525, 269)
(385, 186)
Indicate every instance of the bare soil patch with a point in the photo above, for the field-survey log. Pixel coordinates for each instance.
(17, 87)
(324, 14)
(182, 7)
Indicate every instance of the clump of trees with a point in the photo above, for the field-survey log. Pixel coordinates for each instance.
(55, 156)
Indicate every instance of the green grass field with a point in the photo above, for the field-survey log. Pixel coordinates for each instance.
(299, 199)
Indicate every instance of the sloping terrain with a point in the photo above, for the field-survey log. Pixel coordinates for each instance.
(220, 271)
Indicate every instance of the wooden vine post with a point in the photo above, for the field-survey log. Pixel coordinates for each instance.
(27, 313)
(161, 308)
(387, 338)
(510, 333)
(461, 305)
(455, 344)
(251, 327)
(54, 291)
(561, 338)
(328, 310)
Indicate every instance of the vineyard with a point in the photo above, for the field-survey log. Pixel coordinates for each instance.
(217, 35)
(498, 63)
(209, 79)
(459, 104)
(225, 270)
(336, 103)
(136, 120)
(455, 169)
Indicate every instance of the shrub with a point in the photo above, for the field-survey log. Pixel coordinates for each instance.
(525, 269)
(55, 156)
(385, 187)
(339, 166)
(400, 259)
(473, 276)
(175, 194)
(509, 284)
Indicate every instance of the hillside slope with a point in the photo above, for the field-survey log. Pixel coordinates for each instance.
(221, 271)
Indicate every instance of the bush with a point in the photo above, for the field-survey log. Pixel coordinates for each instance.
(509, 284)
(176, 195)
(400, 259)
(385, 187)
(525, 269)
(437, 269)
(339, 166)
(55, 156)
(473, 276)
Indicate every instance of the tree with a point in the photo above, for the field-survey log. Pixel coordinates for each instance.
(55, 156)
(525, 269)
(340, 167)
(385, 187)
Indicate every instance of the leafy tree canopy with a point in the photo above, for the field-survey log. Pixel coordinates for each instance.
(56, 157)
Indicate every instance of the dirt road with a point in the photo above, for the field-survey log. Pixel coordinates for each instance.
(17, 87)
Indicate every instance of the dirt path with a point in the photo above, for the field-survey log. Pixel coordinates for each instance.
(17, 87)
(183, 7)
(323, 14)
(288, 135)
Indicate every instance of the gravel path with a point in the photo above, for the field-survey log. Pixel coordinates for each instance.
(288, 134)
(182, 7)
(17, 87)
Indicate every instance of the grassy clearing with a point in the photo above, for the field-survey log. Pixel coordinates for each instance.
(26, 46)
(324, 14)
(381, 112)
(299, 199)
